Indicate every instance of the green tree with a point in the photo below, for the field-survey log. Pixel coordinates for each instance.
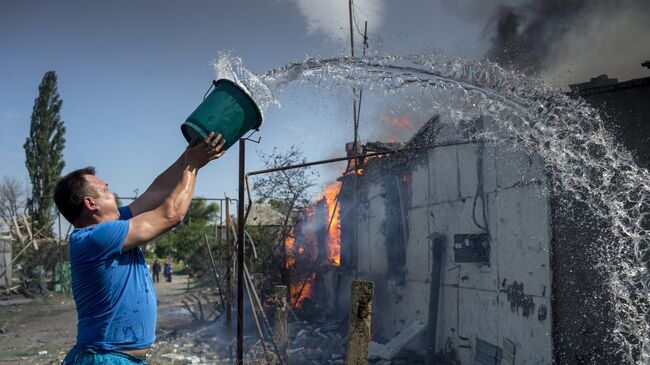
(44, 152)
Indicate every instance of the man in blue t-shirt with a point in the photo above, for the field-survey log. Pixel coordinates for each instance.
(112, 288)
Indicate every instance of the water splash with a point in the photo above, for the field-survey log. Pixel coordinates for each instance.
(227, 66)
(584, 159)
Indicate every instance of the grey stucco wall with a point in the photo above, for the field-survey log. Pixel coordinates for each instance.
(477, 301)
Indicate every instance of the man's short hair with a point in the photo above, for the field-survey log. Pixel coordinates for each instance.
(70, 191)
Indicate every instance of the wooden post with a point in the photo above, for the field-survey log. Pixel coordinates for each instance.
(280, 328)
(359, 327)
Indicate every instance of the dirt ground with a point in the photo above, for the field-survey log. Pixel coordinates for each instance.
(41, 331)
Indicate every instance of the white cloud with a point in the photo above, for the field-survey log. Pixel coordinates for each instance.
(331, 17)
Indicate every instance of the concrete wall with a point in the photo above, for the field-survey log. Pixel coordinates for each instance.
(504, 302)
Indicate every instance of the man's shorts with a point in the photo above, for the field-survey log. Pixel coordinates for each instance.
(92, 356)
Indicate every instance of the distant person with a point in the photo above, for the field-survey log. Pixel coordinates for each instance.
(155, 271)
(113, 291)
(167, 271)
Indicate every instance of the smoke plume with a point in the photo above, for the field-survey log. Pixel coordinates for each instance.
(331, 18)
(572, 40)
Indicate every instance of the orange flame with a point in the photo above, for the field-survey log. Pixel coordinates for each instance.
(305, 252)
(299, 292)
(289, 242)
(397, 121)
(333, 213)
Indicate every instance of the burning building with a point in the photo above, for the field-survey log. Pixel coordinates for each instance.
(471, 251)
(457, 239)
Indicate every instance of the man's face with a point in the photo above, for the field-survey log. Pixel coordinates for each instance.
(103, 201)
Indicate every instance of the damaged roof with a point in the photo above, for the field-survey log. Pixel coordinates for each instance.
(262, 214)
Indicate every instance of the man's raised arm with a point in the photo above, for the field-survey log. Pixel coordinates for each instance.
(160, 188)
(179, 180)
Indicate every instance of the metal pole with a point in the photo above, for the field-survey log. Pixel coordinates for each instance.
(257, 324)
(229, 252)
(354, 91)
(358, 156)
(193, 199)
(219, 226)
(266, 322)
(214, 271)
(351, 35)
(321, 162)
(60, 255)
(240, 254)
(218, 232)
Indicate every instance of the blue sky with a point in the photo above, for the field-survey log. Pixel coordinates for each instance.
(130, 72)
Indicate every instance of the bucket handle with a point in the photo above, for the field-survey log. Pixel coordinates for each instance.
(213, 84)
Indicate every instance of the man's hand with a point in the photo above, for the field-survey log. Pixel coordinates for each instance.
(199, 153)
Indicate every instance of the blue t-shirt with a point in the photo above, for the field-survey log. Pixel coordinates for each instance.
(113, 291)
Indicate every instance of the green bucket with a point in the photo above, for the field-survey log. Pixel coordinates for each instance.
(228, 110)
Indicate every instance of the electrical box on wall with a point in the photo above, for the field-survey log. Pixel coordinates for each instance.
(472, 248)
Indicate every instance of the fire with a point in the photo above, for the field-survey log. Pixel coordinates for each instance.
(397, 121)
(314, 243)
(302, 291)
(334, 229)
(289, 242)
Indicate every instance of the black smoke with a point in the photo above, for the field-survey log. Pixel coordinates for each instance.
(524, 35)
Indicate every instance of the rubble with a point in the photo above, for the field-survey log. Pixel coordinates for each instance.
(311, 344)
(316, 339)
